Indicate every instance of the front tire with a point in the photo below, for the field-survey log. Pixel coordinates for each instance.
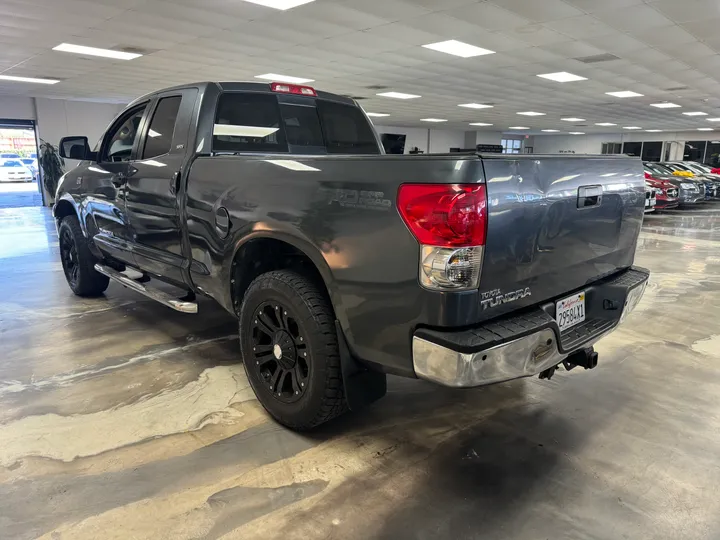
(290, 350)
(78, 263)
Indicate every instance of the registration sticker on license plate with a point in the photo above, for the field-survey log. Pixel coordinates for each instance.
(570, 311)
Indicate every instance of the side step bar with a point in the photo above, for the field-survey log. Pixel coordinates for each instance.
(155, 294)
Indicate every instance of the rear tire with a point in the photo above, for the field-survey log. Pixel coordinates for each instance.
(77, 260)
(290, 350)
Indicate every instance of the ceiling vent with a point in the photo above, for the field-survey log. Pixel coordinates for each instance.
(597, 58)
(676, 88)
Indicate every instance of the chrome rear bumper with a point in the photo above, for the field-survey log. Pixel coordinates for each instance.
(525, 356)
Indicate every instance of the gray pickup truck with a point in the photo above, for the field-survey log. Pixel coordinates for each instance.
(343, 264)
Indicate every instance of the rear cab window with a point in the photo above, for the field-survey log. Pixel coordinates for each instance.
(273, 123)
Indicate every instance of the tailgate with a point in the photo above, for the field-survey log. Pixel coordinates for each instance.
(557, 223)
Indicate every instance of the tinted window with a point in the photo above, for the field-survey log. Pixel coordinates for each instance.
(694, 150)
(122, 137)
(632, 148)
(248, 123)
(346, 129)
(160, 135)
(302, 125)
(652, 151)
(712, 154)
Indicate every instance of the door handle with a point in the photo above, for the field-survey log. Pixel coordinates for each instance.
(589, 196)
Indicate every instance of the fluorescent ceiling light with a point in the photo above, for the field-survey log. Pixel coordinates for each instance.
(653, 130)
(632, 127)
(665, 105)
(705, 129)
(572, 119)
(624, 94)
(532, 113)
(94, 51)
(28, 79)
(550, 130)
(695, 113)
(518, 127)
(458, 48)
(576, 132)
(605, 124)
(398, 95)
(480, 124)
(713, 119)
(562, 76)
(432, 120)
(280, 4)
(284, 78)
(476, 106)
(230, 130)
(291, 164)
(376, 114)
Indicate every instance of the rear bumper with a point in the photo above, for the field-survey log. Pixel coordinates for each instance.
(525, 344)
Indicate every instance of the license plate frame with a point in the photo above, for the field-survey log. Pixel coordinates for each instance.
(570, 311)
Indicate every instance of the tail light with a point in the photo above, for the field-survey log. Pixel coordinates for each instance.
(284, 88)
(450, 222)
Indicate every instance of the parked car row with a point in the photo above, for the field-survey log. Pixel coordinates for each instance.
(14, 168)
(680, 183)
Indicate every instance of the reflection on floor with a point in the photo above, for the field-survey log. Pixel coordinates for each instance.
(19, 195)
(122, 419)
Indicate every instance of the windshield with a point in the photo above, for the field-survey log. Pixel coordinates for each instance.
(12, 163)
(657, 168)
(27, 161)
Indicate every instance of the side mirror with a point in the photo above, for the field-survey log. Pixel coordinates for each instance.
(76, 148)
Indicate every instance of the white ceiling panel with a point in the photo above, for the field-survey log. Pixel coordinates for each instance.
(539, 10)
(490, 16)
(682, 11)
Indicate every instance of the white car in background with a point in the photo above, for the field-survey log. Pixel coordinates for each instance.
(31, 164)
(13, 170)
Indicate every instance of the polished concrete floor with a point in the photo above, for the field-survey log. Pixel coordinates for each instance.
(122, 419)
(19, 194)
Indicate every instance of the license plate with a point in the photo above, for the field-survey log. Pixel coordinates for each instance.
(570, 311)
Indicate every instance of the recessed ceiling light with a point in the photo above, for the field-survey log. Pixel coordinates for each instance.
(605, 124)
(458, 48)
(480, 124)
(518, 127)
(376, 114)
(550, 130)
(653, 130)
(398, 95)
(476, 106)
(576, 132)
(713, 119)
(705, 129)
(284, 78)
(624, 94)
(280, 4)
(571, 119)
(665, 105)
(532, 113)
(562, 76)
(28, 79)
(632, 127)
(94, 51)
(695, 113)
(433, 120)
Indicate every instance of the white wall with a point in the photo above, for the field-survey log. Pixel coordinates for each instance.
(415, 137)
(489, 137)
(441, 140)
(17, 108)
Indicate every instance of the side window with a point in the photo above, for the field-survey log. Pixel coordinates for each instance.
(122, 137)
(248, 123)
(160, 135)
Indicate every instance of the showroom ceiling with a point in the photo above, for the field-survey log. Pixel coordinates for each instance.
(666, 50)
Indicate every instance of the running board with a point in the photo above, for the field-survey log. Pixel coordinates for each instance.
(154, 294)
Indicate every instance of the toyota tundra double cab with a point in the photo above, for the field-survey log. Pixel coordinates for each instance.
(343, 264)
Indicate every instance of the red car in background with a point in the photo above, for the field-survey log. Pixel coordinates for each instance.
(667, 193)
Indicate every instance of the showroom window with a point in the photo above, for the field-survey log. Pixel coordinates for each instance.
(611, 148)
(712, 153)
(652, 151)
(511, 146)
(632, 148)
(162, 127)
(694, 151)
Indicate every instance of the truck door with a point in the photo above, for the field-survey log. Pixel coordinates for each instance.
(153, 182)
(106, 183)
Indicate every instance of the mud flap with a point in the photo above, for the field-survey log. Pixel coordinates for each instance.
(362, 385)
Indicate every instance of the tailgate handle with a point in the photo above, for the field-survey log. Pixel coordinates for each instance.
(589, 196)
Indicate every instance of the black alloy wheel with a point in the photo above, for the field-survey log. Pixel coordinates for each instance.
(280, 353)
(69, 255)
